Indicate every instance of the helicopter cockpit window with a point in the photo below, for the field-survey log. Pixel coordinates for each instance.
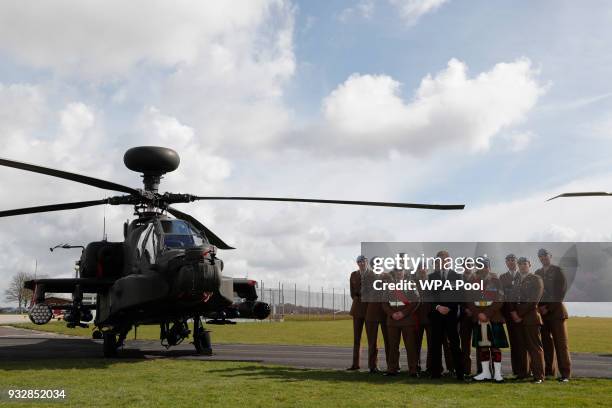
(147, 246)
(179, 234)
(150, 248)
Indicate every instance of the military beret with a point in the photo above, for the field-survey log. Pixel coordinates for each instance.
(361, 258)
(485, 261)
(510, 256)
(543, 252)
(522, 259)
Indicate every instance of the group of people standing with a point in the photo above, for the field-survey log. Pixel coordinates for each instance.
(528, 305)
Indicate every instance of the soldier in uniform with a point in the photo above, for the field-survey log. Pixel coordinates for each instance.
(358, 308)
(527, 318)
(402, 322)
(489, 335)
(375, 317)
(466, 327)
(510, 281)
(554, 314)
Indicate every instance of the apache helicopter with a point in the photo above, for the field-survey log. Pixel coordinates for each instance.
(165, 271)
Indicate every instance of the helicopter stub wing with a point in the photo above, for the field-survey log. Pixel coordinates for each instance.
(68, 285)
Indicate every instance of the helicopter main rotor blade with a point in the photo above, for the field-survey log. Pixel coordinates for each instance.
(212, 237)
(585, 194)
(346, 202)
(79, 178)
(53, 207)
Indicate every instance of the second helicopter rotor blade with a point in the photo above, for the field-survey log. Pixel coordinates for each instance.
(79, 178)
(345, 202)
(212, 237)
(52, 207)
(583, 194)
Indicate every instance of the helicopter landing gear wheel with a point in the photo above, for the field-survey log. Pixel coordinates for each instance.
(110, 344)
(201, 338)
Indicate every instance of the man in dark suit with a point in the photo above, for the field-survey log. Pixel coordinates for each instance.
(444, 317)
(358, 308)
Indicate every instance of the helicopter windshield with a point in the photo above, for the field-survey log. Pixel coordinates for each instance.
(179, 234)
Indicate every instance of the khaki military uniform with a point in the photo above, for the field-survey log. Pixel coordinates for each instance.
(518, 352)
(375, 317)
(407, 303)
(554, 329)
(358, 312)
(529, 293)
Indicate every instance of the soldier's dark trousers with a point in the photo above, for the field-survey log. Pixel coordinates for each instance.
(372, 334)
(358, 323)
(409, 335)
(466, 327)
(423, 330)
(518, 350)
(440, 326)
(554, 342)
(533, 344)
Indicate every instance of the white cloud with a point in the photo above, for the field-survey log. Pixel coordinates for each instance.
(22, 109)
(519, 141)
(199, 168)
(412, 10)
(109, 38)
(363, 9)
(368, 112)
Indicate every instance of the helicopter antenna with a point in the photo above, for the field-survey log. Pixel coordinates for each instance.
(104, 226)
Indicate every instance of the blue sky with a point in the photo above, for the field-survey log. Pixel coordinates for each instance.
(498, 105)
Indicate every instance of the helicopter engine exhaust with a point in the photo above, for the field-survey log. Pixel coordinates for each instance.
(253, 310)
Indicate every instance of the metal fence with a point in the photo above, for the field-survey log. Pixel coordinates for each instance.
(287, 299)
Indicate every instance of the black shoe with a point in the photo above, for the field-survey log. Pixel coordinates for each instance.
(537, 381)
(390, 373)
(374, 371)
(414, 375)
(352, 368)
(563, 379)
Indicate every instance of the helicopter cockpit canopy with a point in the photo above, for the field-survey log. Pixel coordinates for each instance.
(179, 234)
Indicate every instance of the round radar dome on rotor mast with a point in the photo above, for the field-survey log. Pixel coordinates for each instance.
(152, 162)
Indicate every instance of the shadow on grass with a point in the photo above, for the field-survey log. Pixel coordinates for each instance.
(288, 374)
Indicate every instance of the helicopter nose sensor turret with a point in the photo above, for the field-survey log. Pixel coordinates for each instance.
(153, 162)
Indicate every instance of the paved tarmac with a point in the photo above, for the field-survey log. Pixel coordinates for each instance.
(27, 345)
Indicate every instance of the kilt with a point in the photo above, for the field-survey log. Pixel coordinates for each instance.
(496, 334)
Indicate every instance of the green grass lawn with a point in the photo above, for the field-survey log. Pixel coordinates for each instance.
(176, 383)
(587, 334)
